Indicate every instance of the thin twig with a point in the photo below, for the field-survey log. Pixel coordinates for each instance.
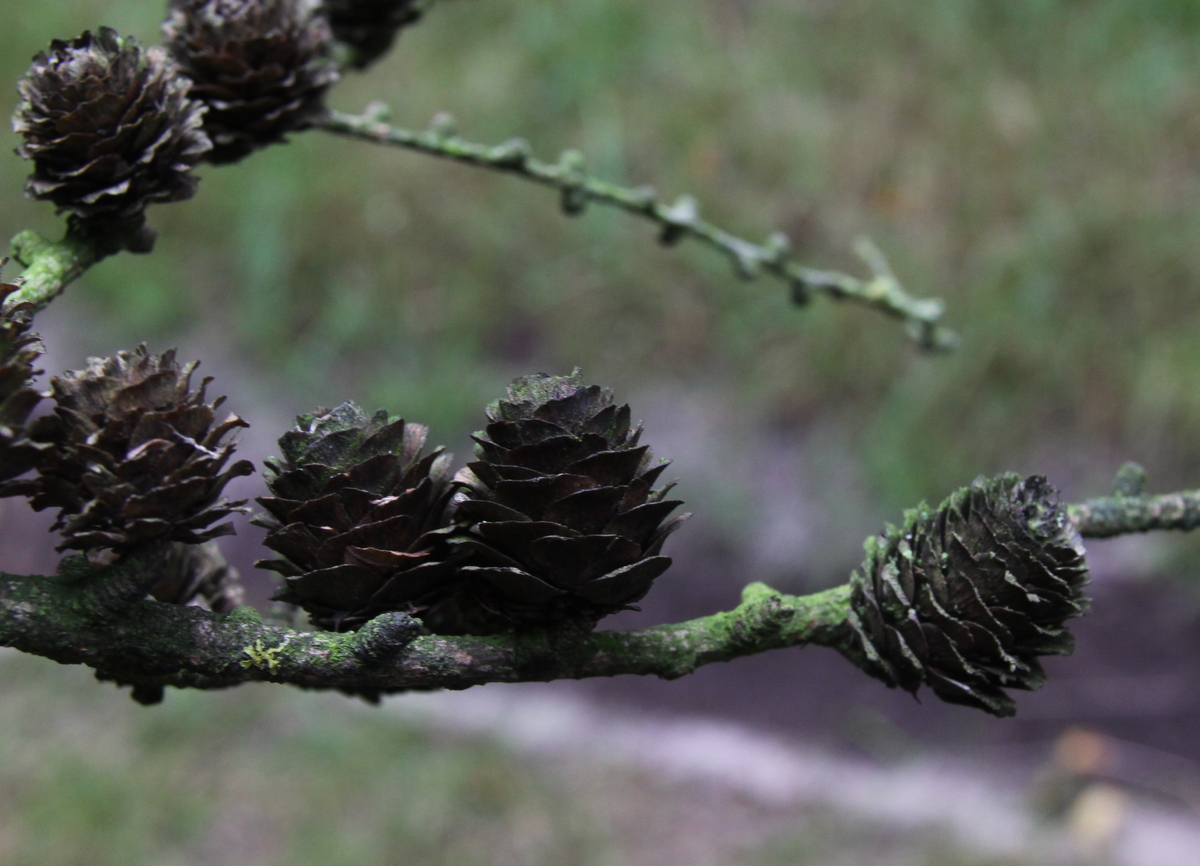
(1109, 516)
(1130, 510)
(676, 221)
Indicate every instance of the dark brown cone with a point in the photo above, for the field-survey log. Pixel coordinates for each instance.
(359, 517)
(564, 521)
(198, 575)
(19, 350)
(131, 454)
(965, 598)
(369, 27)
(260, 66)
(110, 130)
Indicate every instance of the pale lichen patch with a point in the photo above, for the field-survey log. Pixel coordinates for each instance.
(263, 657)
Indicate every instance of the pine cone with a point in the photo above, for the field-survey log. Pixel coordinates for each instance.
(132, 455)
(110, 130)
(359, 515)
(19, 349)
(259, 65)
(369, 27)
(564, 523)
(965, 598)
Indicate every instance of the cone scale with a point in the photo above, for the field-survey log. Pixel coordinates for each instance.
(19, 350)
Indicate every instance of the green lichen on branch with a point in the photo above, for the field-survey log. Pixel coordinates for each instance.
(882, 290)
(1129, 510)
(50, 266)
(263, 656)
(1109, 516)
(765, 620)
(100, 618)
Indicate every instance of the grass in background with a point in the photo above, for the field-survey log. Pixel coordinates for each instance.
(264, 775)
(1033, 162)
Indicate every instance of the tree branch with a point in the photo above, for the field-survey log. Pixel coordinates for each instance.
(50, 266)
(1108, 516)
(101, 617)
(153, 644)
(677, 221)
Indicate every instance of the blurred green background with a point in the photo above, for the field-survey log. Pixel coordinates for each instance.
(1032, 162)
(267, 776)
(1035, 163)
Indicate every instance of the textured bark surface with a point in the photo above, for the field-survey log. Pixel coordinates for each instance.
(1109, 516)
(102, 619)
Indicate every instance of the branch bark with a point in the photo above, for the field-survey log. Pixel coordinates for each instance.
(76, 617)
(676, 221)
(101, 617)
(50, 266)
(1109, 516)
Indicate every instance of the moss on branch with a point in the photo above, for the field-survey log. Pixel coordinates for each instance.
(102, 617)
(1129, 510)
(83, 616)
(50, 266)
(1109, 516)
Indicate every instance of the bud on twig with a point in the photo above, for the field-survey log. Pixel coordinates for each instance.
(678, 219)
